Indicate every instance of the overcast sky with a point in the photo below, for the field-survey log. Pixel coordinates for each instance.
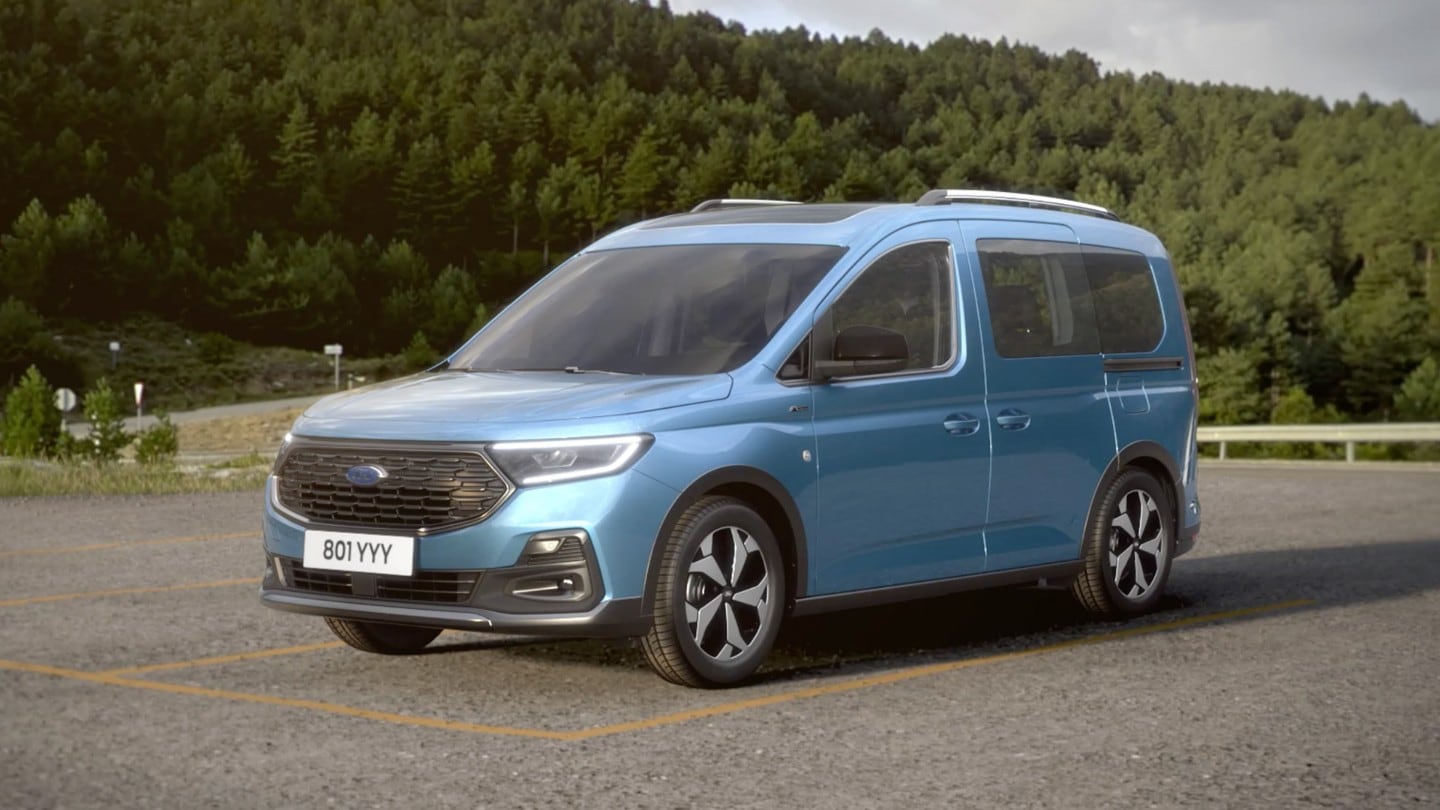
(1335, 49)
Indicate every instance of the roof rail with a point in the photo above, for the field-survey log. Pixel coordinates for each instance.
(716, 205)
(941, 196)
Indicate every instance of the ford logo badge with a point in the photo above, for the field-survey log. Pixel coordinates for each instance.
(365, 475)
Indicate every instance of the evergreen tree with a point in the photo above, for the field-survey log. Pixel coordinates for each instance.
(32, 422)
(104, 410)
(454, 301)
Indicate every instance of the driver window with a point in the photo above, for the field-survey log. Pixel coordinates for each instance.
(908, 290)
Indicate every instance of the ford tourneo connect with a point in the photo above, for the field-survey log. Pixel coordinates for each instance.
(705, 423)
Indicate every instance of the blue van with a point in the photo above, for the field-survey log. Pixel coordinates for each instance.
(705, 423)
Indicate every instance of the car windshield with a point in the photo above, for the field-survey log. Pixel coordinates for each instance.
(680, 309)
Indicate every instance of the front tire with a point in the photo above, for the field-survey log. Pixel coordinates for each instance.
(1129, 544)
(384, 639)
(718, 598)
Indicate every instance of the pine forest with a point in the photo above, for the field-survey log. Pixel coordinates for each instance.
(306, 172)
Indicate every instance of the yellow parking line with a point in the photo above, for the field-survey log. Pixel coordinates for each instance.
(225, 659)
(911, 673)
(271, 700)
(22, 552)
(921, 672)
(189, 586)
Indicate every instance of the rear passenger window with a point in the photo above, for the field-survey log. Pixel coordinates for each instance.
(1127, 305)
(1039, 298)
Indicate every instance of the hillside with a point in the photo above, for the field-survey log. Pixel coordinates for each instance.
(302, 173)
(183, 370)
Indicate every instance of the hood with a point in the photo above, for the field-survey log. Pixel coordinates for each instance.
(460, 397)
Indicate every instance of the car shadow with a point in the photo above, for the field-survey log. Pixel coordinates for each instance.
(996, 621)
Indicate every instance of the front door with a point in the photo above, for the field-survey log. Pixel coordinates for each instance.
(903, 457)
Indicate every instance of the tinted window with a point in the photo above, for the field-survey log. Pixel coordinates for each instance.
(687, 309)
(1127, 306)
(1038, 297)
(908, 290)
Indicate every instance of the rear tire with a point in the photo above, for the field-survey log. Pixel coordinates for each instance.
(1129, 543)
(718, 598)
(384, 639)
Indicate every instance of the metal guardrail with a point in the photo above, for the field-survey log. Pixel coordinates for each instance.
(1349, 435)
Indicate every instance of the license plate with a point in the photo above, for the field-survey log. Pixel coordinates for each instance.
(360, 553)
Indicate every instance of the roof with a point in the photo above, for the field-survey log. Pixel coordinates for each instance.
(847, 224)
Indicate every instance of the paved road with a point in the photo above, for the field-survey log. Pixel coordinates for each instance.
(1294, 664)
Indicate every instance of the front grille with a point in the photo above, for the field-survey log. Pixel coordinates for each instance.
(446, 587)
(421, 490)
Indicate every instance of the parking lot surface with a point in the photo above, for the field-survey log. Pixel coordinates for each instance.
(1293, 664)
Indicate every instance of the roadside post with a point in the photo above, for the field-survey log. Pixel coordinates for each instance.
(114, 354)
(335, 350)
(139, 399)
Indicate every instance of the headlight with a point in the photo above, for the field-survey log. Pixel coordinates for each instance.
(280, 454)
(528, 463)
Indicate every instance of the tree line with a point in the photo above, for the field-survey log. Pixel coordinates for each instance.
(306, 172)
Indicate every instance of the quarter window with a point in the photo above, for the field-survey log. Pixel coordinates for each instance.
(908, 290)
(1127, 305)
(1039, 298)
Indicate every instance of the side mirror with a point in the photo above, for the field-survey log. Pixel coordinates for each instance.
(864, 349)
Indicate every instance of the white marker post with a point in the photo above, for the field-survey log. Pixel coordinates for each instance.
(114, 354)
(335, 350)
(139, 399)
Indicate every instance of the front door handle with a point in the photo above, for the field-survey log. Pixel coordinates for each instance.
(1012, 419)
(961, 424)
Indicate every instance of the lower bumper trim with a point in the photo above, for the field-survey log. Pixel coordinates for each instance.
(616, 618)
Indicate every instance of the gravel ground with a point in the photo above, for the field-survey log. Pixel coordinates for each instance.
(1292, 664)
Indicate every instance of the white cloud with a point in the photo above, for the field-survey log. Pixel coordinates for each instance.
(1337, 49)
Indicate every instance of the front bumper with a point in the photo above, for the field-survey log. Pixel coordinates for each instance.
(559, 593)
(483, 577)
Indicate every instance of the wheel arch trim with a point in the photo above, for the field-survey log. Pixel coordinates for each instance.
(736, 477)
(1136, 454)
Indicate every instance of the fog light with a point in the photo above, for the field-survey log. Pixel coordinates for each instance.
(565, 586)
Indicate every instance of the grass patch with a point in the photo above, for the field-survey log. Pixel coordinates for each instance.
(245, 462)
(250, 441)
(22, 478)
(257, 434)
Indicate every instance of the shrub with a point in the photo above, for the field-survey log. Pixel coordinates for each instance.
(1296, 407)
(32, 422)
(418, 356)
(104, 409)
(69, 449)
(215, 349)
(1419, 397)
(159, 443)
(1229, 388)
